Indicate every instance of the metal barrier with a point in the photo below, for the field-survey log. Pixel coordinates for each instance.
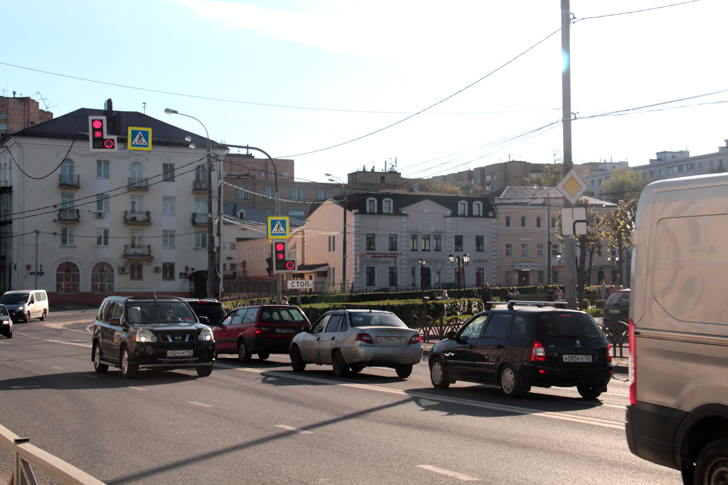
(27, 455)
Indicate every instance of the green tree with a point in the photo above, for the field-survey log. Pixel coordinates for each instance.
(550, 177)
(428, 185)
(623, 184)
(618, 226)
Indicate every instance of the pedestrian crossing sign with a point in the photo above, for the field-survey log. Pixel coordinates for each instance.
(139, 138)
(278, 227)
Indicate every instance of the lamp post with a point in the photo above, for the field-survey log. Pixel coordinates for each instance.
(343, 271)
(210, 229)
(614, 259)
(422, 264)
(462, 262)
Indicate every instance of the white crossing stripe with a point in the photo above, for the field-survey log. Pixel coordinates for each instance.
(291, 428)
(448, 473)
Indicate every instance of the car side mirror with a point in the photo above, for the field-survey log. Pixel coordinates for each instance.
(204, 319)
(115, 322)
(451, 335)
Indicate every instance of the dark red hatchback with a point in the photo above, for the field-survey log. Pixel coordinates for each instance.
(259, 329)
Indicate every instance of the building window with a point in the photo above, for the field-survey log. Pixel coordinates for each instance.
(478, 210)
(462, 208)
(66, 236)
(392, 242)
(168, 205)
(370, 242)
(102, 169)
(555, 250)
(508, 221)
(555, 276)
(136, 271)
(201, 206)
(371, 206)
(102, 202)
(425, 243)
(269, 193)
(553, 222)
(167, 239)
(332, 243)
(102, 278)
(286, 175)
(168, 271)
(539, 221)
(387, 206)
(200, 239)
(540, 251)
(458, 243)
(509, 249)
(295, 195)
(392, 276)
(413, 242)
(67, 278)
(68, 172)
(102, 237)
(540, 277)
(322, 194)
(524, 221)
(371, 274)
(438, 242)
(137, 204)
(480, 243)
(243, 193)
(168, 172)
(137, 174)
(524, 250)
(479, 277)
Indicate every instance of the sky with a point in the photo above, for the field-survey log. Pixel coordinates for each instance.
(434, 87)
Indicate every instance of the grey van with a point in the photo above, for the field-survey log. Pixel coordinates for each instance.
(26, 304)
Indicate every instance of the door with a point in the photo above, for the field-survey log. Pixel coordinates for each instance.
(327, 342)
(425, 279)
(491, 346)
(524, 278)
(111, 334)
(226, 333)
(308, 341)
(459, 355)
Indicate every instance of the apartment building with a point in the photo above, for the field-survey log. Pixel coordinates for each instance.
(18, 113)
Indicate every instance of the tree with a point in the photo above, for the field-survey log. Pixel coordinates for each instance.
(550, 177)
(623, 184)
(618, 226)
(428, 185)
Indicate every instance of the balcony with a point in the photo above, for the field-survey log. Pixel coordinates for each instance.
(138, 251)
(143, 217)
(69, 181)
(199, 186)
(69, 215)
(199, 219)
(136, 183)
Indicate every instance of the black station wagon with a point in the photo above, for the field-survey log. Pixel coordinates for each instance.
(526, 344)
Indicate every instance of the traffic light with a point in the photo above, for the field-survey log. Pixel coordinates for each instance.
(99, 139)
(270, 266)
(279, 255)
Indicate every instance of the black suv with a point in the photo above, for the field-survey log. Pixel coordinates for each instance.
(526, 344)
(152, 333)
(208, 307)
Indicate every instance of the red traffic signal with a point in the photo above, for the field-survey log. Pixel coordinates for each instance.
(279, 255)
(99, 139)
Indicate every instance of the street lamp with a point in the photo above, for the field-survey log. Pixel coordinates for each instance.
(614, 259)
(422, 264)
(210, 230)
(462, 262)
(343, 272)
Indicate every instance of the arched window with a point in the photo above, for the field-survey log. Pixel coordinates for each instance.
(137, 172)
(478, 209)
(371, 205)
(201, 174)
(67, 172)
(67, 278)
(388, 206)
(102, 278)
(462, 208)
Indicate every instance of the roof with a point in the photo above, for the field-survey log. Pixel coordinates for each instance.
(521, 195)
(231, 210)
(312, 268)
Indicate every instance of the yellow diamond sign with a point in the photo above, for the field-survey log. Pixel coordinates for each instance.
(572, 187)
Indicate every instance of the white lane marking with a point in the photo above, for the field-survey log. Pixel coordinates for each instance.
(291, 428)
(467, 402)
(200, 404)
(138, 388)
(448, 473)
(59, 368)
(92, 377)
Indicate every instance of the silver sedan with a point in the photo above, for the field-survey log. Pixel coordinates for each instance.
(355, 339)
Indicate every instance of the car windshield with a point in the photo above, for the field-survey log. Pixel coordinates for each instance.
(159, 312)
(619, 297)
(282, 314)
(14, 298)
(576, 325)
(375, 320)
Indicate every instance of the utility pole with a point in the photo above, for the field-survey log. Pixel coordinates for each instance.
(569, 241)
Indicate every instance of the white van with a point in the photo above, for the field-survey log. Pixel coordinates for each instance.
(678, 319)
(26, 304)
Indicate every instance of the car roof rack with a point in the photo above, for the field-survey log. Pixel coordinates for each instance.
(539, 304)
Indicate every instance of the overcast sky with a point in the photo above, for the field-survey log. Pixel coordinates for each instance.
(296, 78)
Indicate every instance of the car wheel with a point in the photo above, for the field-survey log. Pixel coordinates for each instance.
(243, 354)
(510, 382)
(340, 367)
(43, 317)
(356, 368)
(404, 371)
(263, 355)
(98, 366)
(128, 369)
(712, 463)
(438, 375)
(204, 370)
(589, 392)
(296, 360)
(27, 317)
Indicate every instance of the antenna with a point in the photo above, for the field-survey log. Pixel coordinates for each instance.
(47, 107)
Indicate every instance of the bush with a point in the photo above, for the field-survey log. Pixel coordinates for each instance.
(585, 304)
(600, 303)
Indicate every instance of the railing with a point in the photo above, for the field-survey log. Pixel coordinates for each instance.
(66, 180)
(137, 251)
(26, 455)
(143, 217)
(199, 186)
(435, 328)
(136, 183)
(69, 215)
(199, 219)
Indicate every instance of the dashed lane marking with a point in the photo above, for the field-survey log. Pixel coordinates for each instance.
(200, 404)
(291, 428)
(448, 473)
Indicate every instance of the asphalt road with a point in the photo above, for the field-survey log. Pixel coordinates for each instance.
(262, 423)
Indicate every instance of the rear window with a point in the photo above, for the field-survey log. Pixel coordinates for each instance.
(570, 325)
(282, 314)
(3, 310)
(375, 320)
(619, 297)
(208, 309)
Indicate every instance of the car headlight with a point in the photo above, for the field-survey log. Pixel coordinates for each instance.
(146, 336)
(206, 335)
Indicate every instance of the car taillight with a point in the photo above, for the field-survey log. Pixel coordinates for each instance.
(632, 364)
(364, 337)
(260, 330)
(415, 339)
(609, 352)
(538, 353)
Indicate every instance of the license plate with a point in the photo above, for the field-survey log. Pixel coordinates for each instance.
(577, 358)
(285, 330)
(614, 311)
(390, 339)
(179, 353)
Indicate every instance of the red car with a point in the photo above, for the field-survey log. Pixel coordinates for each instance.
(259, 329)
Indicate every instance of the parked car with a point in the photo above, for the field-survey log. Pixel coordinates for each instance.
(355, 339)
(208, 307)
(26, 304)
(134, 333)
(616, 308)
(6, 323)
(526, 344)
(259, 329)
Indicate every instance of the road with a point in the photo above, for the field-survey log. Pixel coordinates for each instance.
(262, 423)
